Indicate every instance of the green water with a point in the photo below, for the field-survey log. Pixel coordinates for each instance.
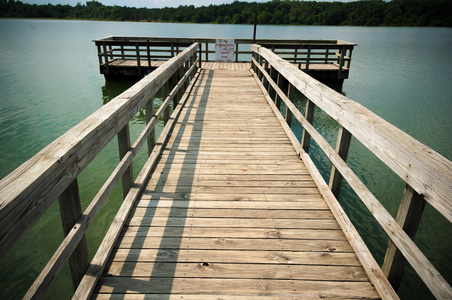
(49, 81)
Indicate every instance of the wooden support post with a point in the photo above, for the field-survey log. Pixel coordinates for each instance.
(274, 94)
(137, 46)
(124, 146)
(306, 138)
(110, 53)
(295, 56)
(166, 114)
(260, 61)
(207, 51)
(308, 58)
(99, 54)
(148, 48)
(149, 110)
(291, 95)
(408, 216)
(349, 61)
(107, 67)
(341, 62)
(199, 57)
(172, 50)
(327, 53)
(122, 52)
(344, 138)
(71, 210)
(236, 53)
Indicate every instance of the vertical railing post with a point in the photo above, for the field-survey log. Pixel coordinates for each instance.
(291, 95)
(309, 115)
(71, 211)
(236, 52)
(148, 48)
(349, 61)
(295, 56)
(260, 74)
(99, 53)
(341, 62)
(149, 110)
(409, 215)
(124, 147)
(344, 138)
(107, 66)
(137, 46)
(166, 113)
(327, 54)
(199, 57)
(274, 93)
(110, 52)
(122, 52)
(207, 51)
(308, 58)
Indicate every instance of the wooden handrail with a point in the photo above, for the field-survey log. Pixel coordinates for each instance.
(155, 42)
(27, 192)
(426, 171)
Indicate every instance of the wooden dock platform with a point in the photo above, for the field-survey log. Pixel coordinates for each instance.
(229, 203)
(231, 211)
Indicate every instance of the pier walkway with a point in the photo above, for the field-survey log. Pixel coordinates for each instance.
(231, 210)
(229, 203)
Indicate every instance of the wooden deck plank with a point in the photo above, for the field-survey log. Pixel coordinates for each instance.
(230, 211)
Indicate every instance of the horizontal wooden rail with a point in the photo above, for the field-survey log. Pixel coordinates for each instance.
(28, 191)
(424, 170)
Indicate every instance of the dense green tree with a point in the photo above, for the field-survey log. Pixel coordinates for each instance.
(358, 13)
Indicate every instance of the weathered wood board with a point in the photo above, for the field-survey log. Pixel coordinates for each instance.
(231, 211)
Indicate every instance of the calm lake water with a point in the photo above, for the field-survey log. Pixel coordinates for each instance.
(49, 81)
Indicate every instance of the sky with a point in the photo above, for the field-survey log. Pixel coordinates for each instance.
(151, 3)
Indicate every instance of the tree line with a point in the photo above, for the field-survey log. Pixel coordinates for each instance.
(276, 12)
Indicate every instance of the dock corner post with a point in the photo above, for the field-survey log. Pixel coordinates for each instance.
(344, 138)
(409, 215)
(149, 111)
(124, 147)
(306, 137)
(71, 210)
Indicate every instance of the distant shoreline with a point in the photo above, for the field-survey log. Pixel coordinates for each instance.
(401, 13)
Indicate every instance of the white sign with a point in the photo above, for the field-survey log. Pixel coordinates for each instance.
(224, 51)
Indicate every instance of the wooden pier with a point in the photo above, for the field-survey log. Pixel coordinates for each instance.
(229, 204)
(134, 57)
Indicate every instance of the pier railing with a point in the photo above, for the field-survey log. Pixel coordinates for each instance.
(427, 174)
(28, 192)
(303, 53)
